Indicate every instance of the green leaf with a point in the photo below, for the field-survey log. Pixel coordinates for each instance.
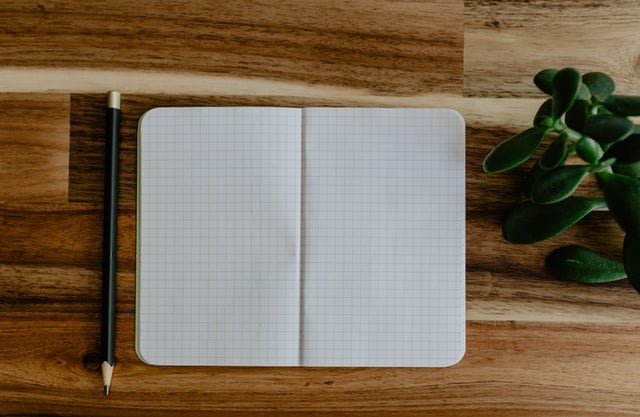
(631, 260)
(583, 92)
(622, 194)
(607, 128)
(534, 174)
(604, 165)
(626, 151)
(576, 115)
(566, 85)
(558, 184)
(630, 170)
(623, 105)
(530, 222)
(514, 151)
(544, 80)
(555, 154)
(588, 149)
(583, 265)
(600, 84)
(543, 116)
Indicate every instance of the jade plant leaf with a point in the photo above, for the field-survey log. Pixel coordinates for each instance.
(566, 85)
(608, 128)
(600, 84)
(583, 92)
(557, 184)
(630, 170)
(585, 119)
(555, 154)
(626, 151)
(631, 260)
(535, 173)
(544, 80)
(589, 150)
(514, 151)
(623, 105)
(543, 115)
(576, 115)
(603, 165)
(622, 194)
(530, 222)
(584, 265)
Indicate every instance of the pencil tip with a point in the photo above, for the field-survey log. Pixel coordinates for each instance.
(107, 372)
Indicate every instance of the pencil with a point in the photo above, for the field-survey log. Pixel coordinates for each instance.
(109, 242)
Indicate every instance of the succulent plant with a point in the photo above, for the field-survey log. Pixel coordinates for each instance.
(582, 130)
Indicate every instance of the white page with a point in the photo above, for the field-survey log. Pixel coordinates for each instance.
(383, 237)
(218, 236)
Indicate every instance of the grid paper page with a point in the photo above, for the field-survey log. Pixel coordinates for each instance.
(218, 236)
(383, 237)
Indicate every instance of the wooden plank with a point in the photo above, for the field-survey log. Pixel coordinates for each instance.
(496, 270)
(391, 48)
(510, 368)
(508, 42)
(63, 241)
(49, 288)
(34, 138)
(504, 281)
(50, 261)
(51, 235)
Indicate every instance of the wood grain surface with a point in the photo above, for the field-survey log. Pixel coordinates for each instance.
(537, 345)
(388, 47)
(505, 41)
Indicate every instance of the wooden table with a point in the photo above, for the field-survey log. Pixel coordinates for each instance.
(536, 345)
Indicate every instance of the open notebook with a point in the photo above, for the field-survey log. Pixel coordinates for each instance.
(315, 237)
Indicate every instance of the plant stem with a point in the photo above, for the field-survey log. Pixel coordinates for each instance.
(573, 135)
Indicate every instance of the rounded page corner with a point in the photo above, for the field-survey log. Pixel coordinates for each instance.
(458, 357)
(149, 114)
(142, 357)
(456, 115)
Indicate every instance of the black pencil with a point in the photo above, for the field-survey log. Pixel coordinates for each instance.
(109, 242)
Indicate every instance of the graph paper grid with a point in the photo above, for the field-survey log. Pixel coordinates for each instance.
(314, 237)
(218, 236)
(383, 232)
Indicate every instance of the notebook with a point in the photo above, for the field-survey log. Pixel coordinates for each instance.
(301, 237)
